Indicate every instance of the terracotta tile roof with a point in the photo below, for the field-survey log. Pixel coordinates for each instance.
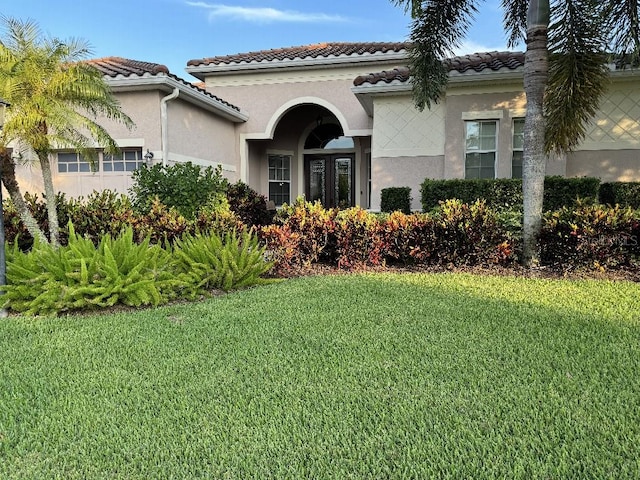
(489, 60)
(401, 74)
(476, 62)
(318, 50)
(114, 66)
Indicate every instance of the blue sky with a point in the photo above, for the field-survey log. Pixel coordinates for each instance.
(173, 32)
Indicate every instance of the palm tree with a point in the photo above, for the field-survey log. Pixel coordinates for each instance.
(55, 100)
(565, 72)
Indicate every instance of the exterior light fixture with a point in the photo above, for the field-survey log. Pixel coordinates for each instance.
(148, 158)
(3, 258)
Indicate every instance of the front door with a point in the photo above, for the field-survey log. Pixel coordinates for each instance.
(329, 178)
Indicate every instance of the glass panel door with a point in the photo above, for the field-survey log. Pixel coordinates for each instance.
(317, 180)
(342, 180)
(329, 178)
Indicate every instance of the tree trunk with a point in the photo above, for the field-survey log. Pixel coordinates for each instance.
(534, 156)
(11, 184)
(52, 212)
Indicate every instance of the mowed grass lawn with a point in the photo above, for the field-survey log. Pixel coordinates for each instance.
(359, 376)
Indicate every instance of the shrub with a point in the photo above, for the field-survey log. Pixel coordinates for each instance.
(591, 237)
(183, 186)
(506, 193)
(15, 229)
(407, 239)
(469, 235)
(501, 193)
(562, 192)
(159, 224)
(249, 206)
(219, 220)
(358, 239)
(315, 225)
(101, 213)
(82, 276)
(456, 234)
(625, 194)
(203, 263)
(282, 248)
(396, 199)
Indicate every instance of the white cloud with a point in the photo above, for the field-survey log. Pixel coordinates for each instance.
(263, 14)
(468, 47)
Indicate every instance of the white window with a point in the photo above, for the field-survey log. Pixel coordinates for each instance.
(128, 160)
(71, 162)
(480, 149)
(280, 179)
(518, 145)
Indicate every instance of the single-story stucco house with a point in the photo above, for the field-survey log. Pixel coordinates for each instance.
(337, 122)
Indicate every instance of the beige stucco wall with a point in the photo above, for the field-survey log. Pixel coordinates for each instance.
(266, 95)
(608, 165)
(403, 172)
(144, 109)
(616, 126)
(502, 103)
(194, 135)
(400, 130)
(202, 137)
(611, 149)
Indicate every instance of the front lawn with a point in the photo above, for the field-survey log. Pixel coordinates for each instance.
(354, 376)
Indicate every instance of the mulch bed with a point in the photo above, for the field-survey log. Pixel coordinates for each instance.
(493, 270)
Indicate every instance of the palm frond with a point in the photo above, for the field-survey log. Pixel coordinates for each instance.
(578, 73)
(439, 28)
(515, 20)
(622, 19)
(413, 6)
(56, 96)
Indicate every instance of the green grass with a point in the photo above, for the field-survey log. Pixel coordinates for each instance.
(364, 376)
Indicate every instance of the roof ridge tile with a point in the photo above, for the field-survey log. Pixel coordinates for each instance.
(316, 50)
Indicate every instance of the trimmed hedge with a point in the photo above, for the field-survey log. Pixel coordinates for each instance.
(456, 234)
(499, 193)
(506, 193)
(560, 192)
(396, 199)
(583, 237)
(625, 194)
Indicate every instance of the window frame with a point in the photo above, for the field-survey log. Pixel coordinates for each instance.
(93, 169)
(139, 161)
(480, 151)
(513, 145)
(275, 198)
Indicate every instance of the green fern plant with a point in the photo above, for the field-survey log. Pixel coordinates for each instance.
(208, 262)
(81, 276)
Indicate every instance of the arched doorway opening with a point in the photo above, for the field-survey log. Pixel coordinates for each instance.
(329, 166)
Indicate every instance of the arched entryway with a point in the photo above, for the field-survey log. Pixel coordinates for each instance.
(308, 154)
(329, 165)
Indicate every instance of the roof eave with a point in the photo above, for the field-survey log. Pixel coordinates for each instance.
(163, 82)
(201, 71)
(457, 78)
(365, 92)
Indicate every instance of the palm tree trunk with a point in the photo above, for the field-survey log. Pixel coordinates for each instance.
(534, 157)
(11, 184)
(52, 212)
